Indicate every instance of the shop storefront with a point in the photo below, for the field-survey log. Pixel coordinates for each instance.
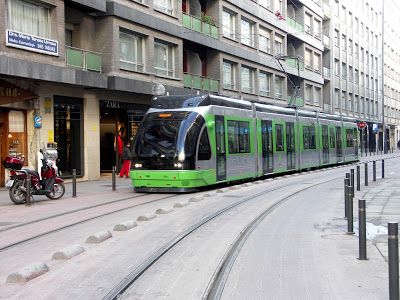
(117, 118)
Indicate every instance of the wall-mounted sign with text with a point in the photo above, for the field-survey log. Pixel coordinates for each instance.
(31, 42)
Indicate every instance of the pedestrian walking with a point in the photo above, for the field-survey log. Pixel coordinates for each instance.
(126, 158)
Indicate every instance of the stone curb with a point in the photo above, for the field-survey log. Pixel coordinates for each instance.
(196, 199)
(182, 203)
(207, 195)
(224, 190)
(68, 252)
(164, 210)
(125, 226)
(147, 217)
(99, 237)
(32, 271)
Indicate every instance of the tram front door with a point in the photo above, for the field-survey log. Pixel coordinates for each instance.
(267, 147)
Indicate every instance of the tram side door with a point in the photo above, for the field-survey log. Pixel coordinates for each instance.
(339, 154)
(325, 144)
(267, 147)
(221, 151)
(290, 145)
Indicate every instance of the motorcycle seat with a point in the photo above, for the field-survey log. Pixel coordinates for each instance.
(34, 173)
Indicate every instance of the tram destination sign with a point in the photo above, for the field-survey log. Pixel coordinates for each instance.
(31, 42)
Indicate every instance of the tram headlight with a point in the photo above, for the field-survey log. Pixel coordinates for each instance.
(178, 165)
(138, 165)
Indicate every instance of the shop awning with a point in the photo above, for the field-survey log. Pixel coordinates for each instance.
(11, 93)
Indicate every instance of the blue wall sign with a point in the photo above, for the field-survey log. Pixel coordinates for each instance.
(374, 127)
(38, 121)
(31, 42)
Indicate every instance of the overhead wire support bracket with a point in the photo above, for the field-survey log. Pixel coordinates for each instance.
(295, 83)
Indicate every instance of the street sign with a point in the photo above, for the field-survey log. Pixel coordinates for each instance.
(38, 121)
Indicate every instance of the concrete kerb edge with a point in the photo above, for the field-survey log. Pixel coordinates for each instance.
(68, 252)
(125, 225)
(30, 272)
(147, 217)
(99, 237)
(164, 210)
(181, 204)
(196, 199)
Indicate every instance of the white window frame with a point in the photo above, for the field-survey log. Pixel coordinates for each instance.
(278, 44)
(136, 60)
(38, 15)
(228, 79)
(279, 93)
(247, 33)
(229, 24)
(317, 96)
(165, 6)
(308, 94)
(265, 84)
(264, 40)
(247, 80)
(169, 70)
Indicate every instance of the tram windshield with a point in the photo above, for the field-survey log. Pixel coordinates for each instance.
(168, 135)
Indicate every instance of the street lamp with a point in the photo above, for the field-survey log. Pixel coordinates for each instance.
(158, 89)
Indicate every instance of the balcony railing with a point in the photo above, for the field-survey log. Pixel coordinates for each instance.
(296, 25)
(200, 83)
(298, 101)
(198, 25)
(326, 72)
(327, 41)
(83, 59)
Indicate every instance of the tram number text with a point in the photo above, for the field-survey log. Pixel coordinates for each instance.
(112, 104)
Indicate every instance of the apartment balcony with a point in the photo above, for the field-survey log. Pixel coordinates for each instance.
(327, 42)
(83, 59)
(203, 25)
(298, 101)
(294, 24)
(200, 83)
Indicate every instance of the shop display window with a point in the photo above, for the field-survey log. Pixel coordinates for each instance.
(16, 135)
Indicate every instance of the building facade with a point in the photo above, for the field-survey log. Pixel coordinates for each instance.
(75, 73)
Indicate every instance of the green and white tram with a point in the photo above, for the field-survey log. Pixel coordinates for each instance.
(185, 142)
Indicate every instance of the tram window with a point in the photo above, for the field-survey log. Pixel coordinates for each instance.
(238, 137)
(332, 138)
(309, 138)
(204, 147)
(279, 137)
(349, 138)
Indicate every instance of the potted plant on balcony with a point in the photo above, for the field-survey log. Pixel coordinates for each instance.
(207, 19)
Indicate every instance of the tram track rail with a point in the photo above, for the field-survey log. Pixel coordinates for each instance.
(7, 247)
(219, 279)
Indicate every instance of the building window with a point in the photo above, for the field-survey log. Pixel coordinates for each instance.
(344, 44)
(278, 87)
(278, 6)
(17, 134)
(265, 3)
(336, 37)
(317, 29)
(131, 52)
(228, 24)
(307, 59)
(337, 67)
(247, 80)
(164, 6)
(317, 96)
(163, 59)
(317, 63)
(247, 33)
(265, 40)
(229, 76)
(307, 23)
(29, 18)
(308, 94)
(265, 84)
(278, 44)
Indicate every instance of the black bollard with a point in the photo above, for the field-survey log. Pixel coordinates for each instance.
(28, 190)
(374, 170)
(73, 183)
(352, 182)
(358, 178)
(383, 168)
(366, 174)
(393, 247)
(362, 225)
(349, 211)
(346, 184)
(113, 179)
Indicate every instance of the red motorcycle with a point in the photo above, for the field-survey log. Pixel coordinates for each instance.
(50, 185)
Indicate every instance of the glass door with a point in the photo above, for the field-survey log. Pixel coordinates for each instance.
(290, 144)
(221, 151)
(267, 147)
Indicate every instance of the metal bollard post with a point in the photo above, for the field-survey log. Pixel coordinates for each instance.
(358, 178)
(349, 211)
(346, 184)
(383, 168)
(352, 182)
(73, 183)
(374, 170)
(366, 174)
(28, 190)
(113, 178)
(393, 247)
(362, 225)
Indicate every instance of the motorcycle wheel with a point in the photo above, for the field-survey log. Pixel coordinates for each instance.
(16, 194)
(57, 192)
